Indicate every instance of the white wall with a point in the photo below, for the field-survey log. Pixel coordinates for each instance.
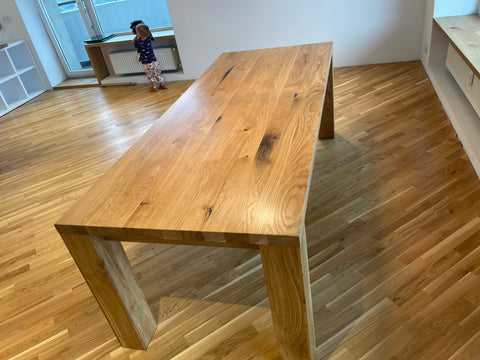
(427, 31)
(27, 25)
(45, 51)
(16, 29)
(367, 31)
(363, 32)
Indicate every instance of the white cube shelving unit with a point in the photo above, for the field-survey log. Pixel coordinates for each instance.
(20, 79)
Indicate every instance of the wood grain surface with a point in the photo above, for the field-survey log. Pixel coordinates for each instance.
(394, 243)
(109, 275)
(463, 33)
(96, 58)
(232, 156)
(190, 179)
(286, 271)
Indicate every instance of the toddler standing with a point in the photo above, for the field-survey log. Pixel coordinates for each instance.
(143, 43)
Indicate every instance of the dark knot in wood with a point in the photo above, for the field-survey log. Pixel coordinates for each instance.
(266, 147)
(226, 74)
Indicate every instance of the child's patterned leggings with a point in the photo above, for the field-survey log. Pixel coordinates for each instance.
(153, 72)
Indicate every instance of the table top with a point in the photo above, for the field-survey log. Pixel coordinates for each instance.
(464, 34)
(127, 39)
(233, 155)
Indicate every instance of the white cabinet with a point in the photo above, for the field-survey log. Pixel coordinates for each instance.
(20, 79)
(464, 76)
(453, 67)
(459, 69)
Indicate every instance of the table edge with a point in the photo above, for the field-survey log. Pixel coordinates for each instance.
(181, 237)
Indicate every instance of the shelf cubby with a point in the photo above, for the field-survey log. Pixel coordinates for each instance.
(12, 91)
(32, 81)
(6, 67)
(3, 104)
(20, 55)
(20, 79)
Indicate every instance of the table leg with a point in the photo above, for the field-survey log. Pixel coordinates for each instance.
(327, 128)
(97, 60)
(288, 285)
(108, 273)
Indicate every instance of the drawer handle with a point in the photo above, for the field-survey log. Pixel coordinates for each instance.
(471, 75)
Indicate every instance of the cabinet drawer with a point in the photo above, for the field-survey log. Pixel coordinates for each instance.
(465, 78)
(459, 69)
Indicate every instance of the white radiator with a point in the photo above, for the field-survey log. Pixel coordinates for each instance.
(126, 62)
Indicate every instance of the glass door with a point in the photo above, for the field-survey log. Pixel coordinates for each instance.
(71, 22)
(68, 32)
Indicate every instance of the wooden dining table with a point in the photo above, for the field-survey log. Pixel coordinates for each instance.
(228, 165)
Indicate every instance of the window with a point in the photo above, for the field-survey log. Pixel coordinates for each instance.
(73, 21)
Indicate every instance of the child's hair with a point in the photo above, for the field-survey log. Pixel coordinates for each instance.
(143, 29)
(134, 24)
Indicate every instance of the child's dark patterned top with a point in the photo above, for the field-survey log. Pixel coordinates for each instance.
(144, 48)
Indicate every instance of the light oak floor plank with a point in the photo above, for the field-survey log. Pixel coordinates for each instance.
(393, 227)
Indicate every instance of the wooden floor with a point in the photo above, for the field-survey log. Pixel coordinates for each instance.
(393, 227)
